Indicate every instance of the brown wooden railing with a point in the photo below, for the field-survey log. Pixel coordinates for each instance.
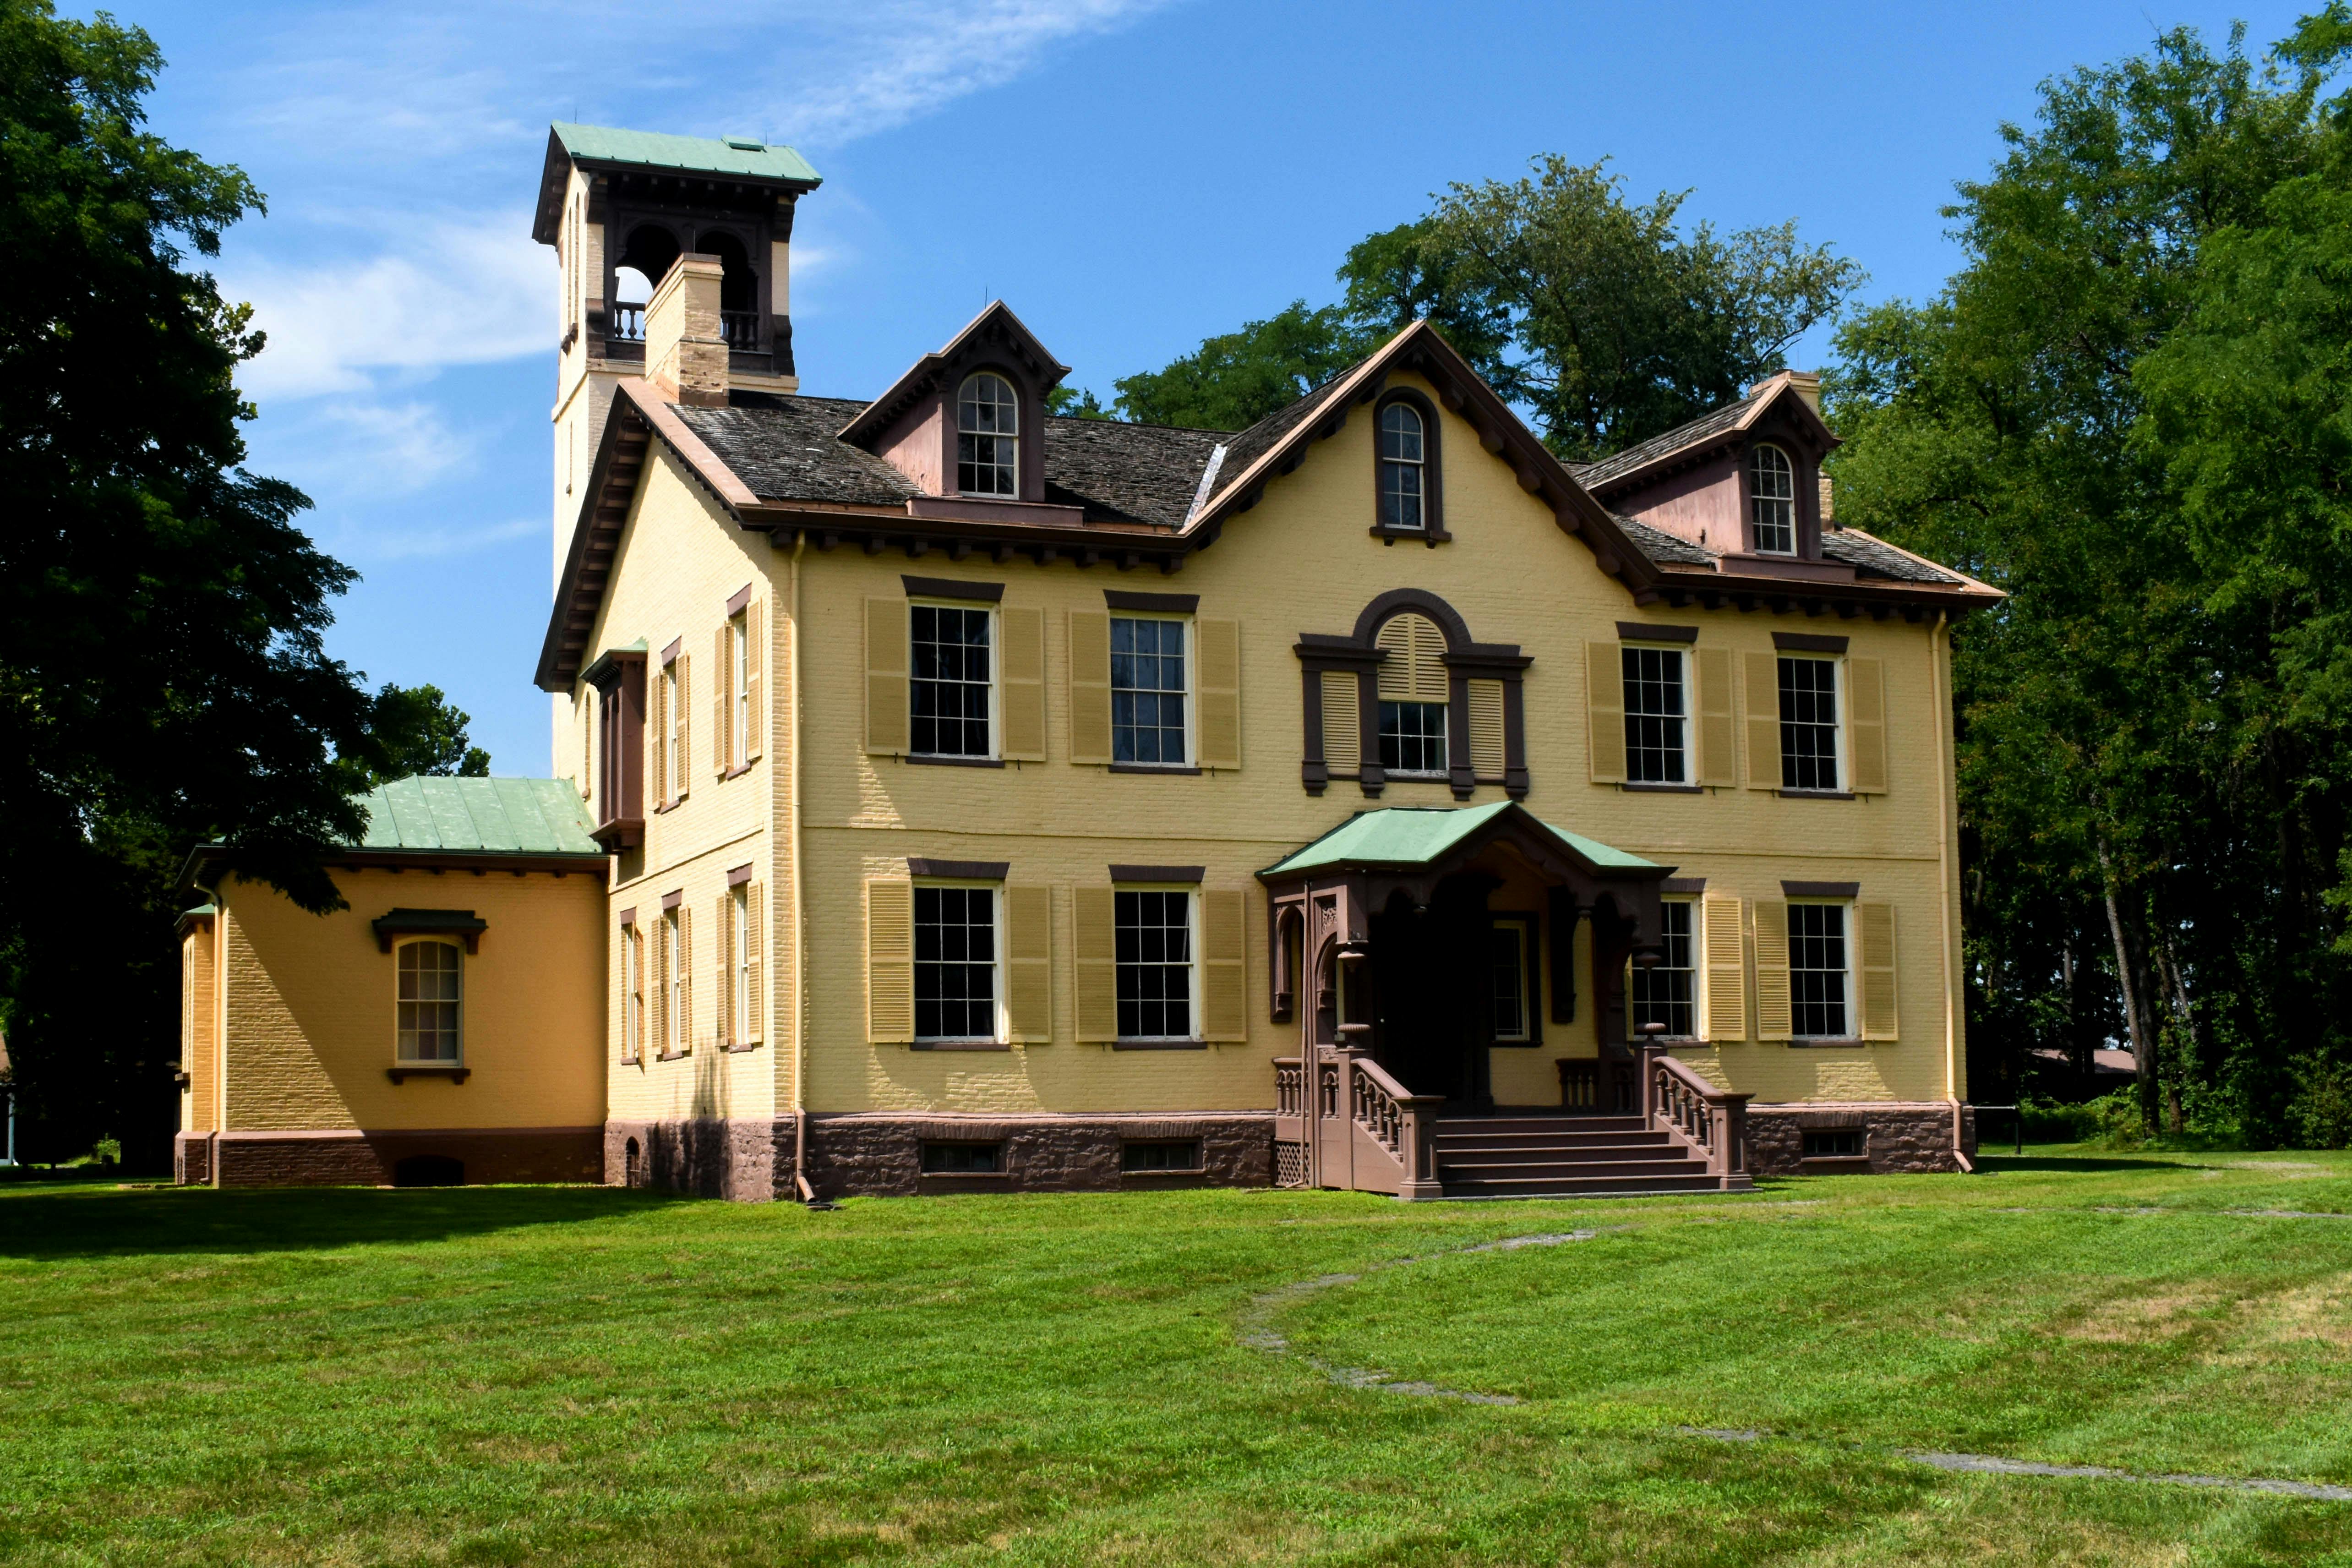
(625, 324)
(1686, 1107)
(1289, 1087)
(740, 329)
(1580, 1084)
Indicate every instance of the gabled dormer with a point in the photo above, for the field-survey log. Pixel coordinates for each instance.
(1743, 482)
(967, 423)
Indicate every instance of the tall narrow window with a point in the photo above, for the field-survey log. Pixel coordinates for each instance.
(950, 686)
(633, 995)
(740, 673)
(1809, 723)
(673, 732)
(429, 1002)
(1147, 691)
(1513, 1015)
(988, 437)
(955, 963)
(1773, 501)
(673, 972)
(1817, 972)
(1413, 737)
(1154, 934)
(1403, 468)
(738, 963)
(1667, 995)
(1654, 715)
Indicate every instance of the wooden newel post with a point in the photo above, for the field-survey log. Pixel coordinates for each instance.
(1729, 1155)
(1418, 1150)
(1647, 1053)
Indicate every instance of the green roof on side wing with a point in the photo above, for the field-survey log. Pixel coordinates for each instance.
(478, 817)
(1401, 838)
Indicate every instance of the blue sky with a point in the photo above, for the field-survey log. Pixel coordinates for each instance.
(1130, 174)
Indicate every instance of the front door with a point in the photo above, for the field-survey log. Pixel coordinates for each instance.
(1433, 977)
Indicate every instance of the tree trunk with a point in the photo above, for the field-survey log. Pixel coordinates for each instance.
(2140, 1014)
(2168, 959)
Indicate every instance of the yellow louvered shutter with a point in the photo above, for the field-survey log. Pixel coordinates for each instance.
(658, 740)
(1604, 709)
(1029, 964)
(1773, 1020)
(1727, 970)
(755, 685)
(1219, 693)
(1093, 947)
(1224, 980)
(1089, 685)
(1486, 731)
(887, 717)
(1343, 722)
(722, 704)
(889, 963)
(1718, 752)
(1874, 926)
(685, 729)
(1414, 671)
(722, 995)
(753, 1029)
(1865, 681)
(684, 976)
(661, 992)
(1763, 708)
(1024, 683)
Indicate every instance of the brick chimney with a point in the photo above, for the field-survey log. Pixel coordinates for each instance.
(1806, 385)
(686, 352)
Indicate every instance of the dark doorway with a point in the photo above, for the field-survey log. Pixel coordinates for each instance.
(1431, 973)
(428, 1170)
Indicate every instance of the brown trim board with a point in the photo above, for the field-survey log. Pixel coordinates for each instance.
(1645, 631)
(959, 870)
(952, 588)
(1161, 604)
(1809, 642)
(1157, 873)
(1820, 890)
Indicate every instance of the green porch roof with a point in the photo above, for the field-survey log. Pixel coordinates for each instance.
(1408, 835)
(494, 816)
(740, 156)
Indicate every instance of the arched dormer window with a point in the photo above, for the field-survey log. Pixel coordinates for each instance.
(1408, 695)
(1407, 484)
(1773, 501)
(429, 998)
(988, 436)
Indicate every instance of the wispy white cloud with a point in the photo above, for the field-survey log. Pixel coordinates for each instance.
(460, 291)
(428, 540)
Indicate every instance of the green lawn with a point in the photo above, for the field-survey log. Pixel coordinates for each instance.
(570, 1375)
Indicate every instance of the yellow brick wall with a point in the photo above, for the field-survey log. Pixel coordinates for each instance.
(1302, 560)
(308, 1017)
(199, 1028)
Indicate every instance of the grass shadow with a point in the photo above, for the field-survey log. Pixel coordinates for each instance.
(94, 1222)
(1989, 1163)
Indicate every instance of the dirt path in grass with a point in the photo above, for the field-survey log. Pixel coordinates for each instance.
(1257, 1329)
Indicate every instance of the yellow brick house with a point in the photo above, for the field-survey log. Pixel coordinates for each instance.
(1365, 799)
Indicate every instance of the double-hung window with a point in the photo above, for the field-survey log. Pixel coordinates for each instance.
(633, 995)
(739, 674)
(951, 692)
(1412, 738)
(988, 437)
(1155, 970)
(1147, 691)
(428, 1001)
(955, 963)
(1668, 993)
(1514, 945)
(1655, 715)
(674, 1019)
(672, 736)
(1773, 501)
(738, 962)
(1809, 723)
(1403, 467)
(1818, 975)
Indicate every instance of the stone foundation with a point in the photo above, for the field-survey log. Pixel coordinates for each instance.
(881, 1153)
(1898, 1136)
(432, 1157)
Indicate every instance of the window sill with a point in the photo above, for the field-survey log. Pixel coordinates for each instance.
(739, 1050)
(1177, 769)
(963, 1176)
(668, 805)
(737, 772)
(1433, 537)
(1645, 787)
(672, 1056)
(957, 1046)
(1814, 794)
(452, 1071)
(926, 759)
(1394, 776)
(1159, 1045)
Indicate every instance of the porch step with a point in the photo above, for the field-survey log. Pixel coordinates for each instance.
(1562, 1156)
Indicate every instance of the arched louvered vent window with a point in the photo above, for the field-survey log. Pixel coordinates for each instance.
(1415, 688)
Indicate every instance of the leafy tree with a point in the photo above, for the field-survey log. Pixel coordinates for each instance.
(1233, 381)
(2128, 410)
(413, 730)
(160, 615)
(1074, 403)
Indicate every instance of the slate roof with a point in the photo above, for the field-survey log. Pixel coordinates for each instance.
(1666, 549)
(1713, 423)
(1413, 835)
(1135, 473)
(788, 448)
(1248, 446)
(1871, 557)
(478, 817)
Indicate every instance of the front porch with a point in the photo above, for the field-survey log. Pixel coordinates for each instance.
(1426, 954)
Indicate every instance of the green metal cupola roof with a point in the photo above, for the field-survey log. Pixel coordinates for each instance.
(729, 160)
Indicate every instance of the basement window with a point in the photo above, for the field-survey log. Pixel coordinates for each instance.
(963, 1159)
(1834, 1144)
(1183, 1155)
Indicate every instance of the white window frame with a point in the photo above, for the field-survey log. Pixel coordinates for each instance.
(458, 950)
(995, 677)
(1524, 925)
(738, 671)
(674, 716)
(1698, 970)
(1191, 681)
(738, 980)
(674, 1001)
(1846, 939)
(1682, 683)
(1013, 434)
(1439, 774)
(1191, 945)
(1001, 1032)
(1844, 781)
(1755, 499)
(633, 995)
(1420, 466)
